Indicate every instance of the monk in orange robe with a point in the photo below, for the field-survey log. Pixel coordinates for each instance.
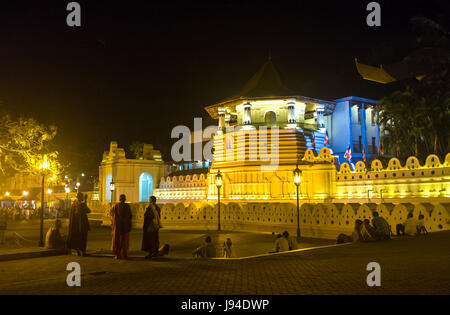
(121, 227)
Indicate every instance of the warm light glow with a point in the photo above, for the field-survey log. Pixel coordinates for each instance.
(82, 174)
(78, 184)
(297, 176)
(25, 193)
(112, 186)
(7, 194)
(218, 180)
(49, 191)
(67, 189)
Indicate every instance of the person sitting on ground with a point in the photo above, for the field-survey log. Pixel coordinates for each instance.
(367, 231)
(409, 227)
(227, 250)
(208, 250)
(281, 244)
(355, 237)
(53, 238)
(382, 228)
(292, 241)
(421, 229)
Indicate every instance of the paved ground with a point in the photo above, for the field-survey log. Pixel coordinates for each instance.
(409, 265)
(24, 236)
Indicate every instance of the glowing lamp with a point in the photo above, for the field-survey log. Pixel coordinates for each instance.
(297, 176)
(25, 193)
(67, 189)
(219, 180)
(112, 186)
(7, 194)
(49, 191)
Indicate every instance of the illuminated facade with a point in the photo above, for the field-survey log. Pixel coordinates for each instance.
(136, 178)
(264, 132)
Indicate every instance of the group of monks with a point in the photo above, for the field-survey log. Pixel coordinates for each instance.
(121, 227)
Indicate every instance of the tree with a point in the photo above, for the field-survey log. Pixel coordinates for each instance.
(24, 145)
(415, 121)
(137, 148)
(416, 118)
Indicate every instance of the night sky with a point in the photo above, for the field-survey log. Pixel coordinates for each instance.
(136, 69)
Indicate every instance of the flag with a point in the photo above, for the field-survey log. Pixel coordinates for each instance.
(348, 154)
(314, 141)
(364, 152)
(326, 139)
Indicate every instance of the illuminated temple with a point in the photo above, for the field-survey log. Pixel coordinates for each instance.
(264, 132)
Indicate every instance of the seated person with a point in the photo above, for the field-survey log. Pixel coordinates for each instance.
(382, 228)
(368, 232)
(281, 244)
(206, 251)
(409, 227)
(421, 229)
(292, 241)
(355, 237)
(53, 238)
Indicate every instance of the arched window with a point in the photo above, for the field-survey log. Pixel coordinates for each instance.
(270, 118)
(145, 187)
(108, 188)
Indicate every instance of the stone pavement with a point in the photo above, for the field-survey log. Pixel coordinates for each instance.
(409, 265)
(182, 242)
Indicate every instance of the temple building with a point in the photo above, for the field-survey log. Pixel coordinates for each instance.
(264, 132)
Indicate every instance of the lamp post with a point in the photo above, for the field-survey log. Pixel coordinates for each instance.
(297, 182)
(43, 167)
(112, 187)
(218, 184)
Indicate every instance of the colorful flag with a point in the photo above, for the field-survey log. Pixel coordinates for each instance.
(364, 152)
(313, 141)
(326, 140)
(348, 154)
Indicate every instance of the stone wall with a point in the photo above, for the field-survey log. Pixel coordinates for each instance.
(320, 220)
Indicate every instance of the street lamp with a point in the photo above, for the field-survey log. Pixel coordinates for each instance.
(78, 186)
(112, 187)
(218, 184)
(43, 168)
(297, 182)
(7, 194)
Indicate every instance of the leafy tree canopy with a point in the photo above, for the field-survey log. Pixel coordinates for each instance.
(25, 146)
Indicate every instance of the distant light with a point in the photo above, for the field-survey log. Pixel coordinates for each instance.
(65, 177)
(82, 174)
(67, 189)
(25, 193)
(78, 184)
(7, 194)
(49, 191)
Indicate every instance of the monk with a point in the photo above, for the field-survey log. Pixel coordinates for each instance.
(78, 225)
(121, 227)
(152, 224)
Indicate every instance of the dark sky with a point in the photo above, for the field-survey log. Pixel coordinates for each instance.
(136, 69)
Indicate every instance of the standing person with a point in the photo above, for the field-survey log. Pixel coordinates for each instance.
(152, 224)
(121, 227)
(227, 249)
(78, 226)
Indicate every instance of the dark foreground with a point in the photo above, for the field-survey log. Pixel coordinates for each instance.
(409, 265)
